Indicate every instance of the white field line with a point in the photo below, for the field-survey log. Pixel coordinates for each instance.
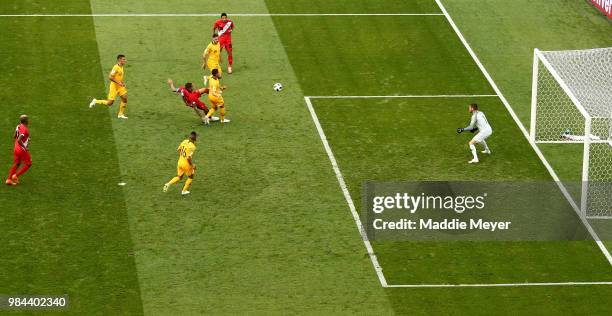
(347, 195)
(215, 14)
(402, 96)
(501, 284)
(535, 147)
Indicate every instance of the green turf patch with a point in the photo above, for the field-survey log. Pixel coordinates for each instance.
(64, 228)
(387, 139)
(348, 6)
(396, 55)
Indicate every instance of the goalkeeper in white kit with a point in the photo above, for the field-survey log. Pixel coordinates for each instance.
(479, 123)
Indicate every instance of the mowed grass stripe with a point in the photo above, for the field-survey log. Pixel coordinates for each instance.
(265, 225)
(64, 228)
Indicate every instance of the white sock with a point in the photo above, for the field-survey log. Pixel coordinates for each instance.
(473, 149)
(486, 147)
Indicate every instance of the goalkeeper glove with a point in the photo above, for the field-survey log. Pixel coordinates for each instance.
(459, 130)
(474, 130)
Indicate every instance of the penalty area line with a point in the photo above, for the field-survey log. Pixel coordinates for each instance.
(346, 193)
(216, 14)
(497, 284)
(403, 96)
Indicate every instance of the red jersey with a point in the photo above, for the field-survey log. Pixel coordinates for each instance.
(22, 130)
(224, 28)
(188, 97)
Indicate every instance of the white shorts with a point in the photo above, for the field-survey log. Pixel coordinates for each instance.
(482, 135)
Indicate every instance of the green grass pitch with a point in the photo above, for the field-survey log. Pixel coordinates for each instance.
(267, 229)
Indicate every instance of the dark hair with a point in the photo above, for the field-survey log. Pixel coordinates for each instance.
(224, 15)
(474, 106)
(193, 133)
(215, 34)
(120, 56)
(189, 86)
(215, 72)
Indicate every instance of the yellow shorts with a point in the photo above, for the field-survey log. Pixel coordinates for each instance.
(115, 90)
(182, 169)
(216, 101)
(214, 66)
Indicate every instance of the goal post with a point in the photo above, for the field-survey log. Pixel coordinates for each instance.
(571, 103)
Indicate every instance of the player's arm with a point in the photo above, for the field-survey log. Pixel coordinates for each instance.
(470, 127)
(205, 58)
(190, 160)
(21, 143)
(203, 90)
(215, 91)
(111, 77)
(172, 87)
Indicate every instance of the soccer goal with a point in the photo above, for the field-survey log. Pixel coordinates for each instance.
(572, 104)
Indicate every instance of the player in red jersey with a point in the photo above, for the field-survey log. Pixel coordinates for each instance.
(191, 98)
(21, 154)
(224, 27)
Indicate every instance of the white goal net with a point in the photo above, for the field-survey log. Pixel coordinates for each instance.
(572, 103)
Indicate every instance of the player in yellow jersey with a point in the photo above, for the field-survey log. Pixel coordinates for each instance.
(117, 88)
(185, 163)
(212, 55)
(214, 96)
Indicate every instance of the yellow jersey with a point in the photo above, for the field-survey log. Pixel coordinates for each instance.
(214, 87)
(185, 149)
(117, 73)
(214, 53)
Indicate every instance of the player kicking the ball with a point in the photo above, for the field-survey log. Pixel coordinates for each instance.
(185, 164)
(479, 123)
(21, 154)
(116, 88)
(191, 97)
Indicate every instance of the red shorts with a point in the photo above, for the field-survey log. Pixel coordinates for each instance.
(194, 99)
(226, 43)
(199, 104)
(21, 156)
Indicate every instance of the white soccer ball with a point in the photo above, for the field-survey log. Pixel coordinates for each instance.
(278, 87)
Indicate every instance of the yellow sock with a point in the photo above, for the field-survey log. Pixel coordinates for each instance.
(174, 180)
(222, 112)
(211, 111)
(105, 102)
(187, 184)
(121, 108)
